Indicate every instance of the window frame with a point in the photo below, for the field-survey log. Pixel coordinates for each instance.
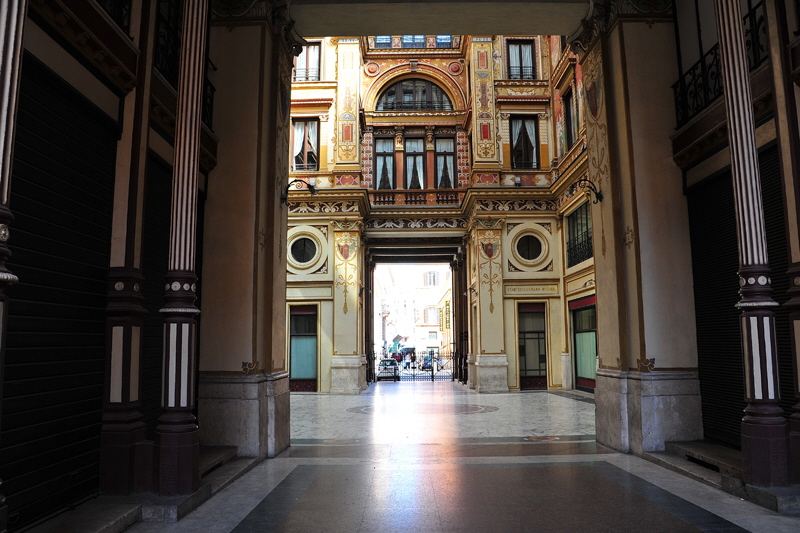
(310, 75)
(521, 72)
(386, 155)
(415, 105)
(579, 235)
(305, 166)
(568, 116)
(533, 162)
(451, 155)
(407, 168)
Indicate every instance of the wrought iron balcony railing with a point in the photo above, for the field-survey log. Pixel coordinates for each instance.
(702, 83)
(522, 73)
(415, 105)
(524, 164)
(579, 249)
(299, 167)
(119, 11)
(306, 74)
(208, 102)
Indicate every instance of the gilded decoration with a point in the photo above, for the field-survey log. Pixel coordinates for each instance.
(483, 100)
(436, 71)
(488, 253)
(346, 245)
(514, 205)
(322, 207)
(417, 223)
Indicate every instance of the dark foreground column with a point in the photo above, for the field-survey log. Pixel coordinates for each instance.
(764, 428)
(11, 49)
(177, 442)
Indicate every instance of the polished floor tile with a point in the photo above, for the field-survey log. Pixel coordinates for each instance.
(436, 457)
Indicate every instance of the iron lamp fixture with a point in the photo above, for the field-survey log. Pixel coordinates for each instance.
(311, 184)
(586, 183)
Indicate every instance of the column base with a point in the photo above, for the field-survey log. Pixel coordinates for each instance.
(346, 374)
(566, 372)
(641, 411)
(120, 457)
(764, 454)
(250, 412)
(491, 372)
(178, 462)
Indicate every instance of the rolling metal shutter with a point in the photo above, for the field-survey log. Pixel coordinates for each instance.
(715, 263)
(62, 197)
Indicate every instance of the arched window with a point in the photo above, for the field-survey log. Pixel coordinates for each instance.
(414, 95)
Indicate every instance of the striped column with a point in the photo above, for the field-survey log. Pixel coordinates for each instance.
(764, 428)
(176, 435)
(12, 18)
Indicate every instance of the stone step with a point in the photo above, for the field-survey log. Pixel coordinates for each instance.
(104, 514)
(726, 460)
(213, 456)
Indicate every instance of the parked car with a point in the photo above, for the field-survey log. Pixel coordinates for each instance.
(388, 369)
(428, 362)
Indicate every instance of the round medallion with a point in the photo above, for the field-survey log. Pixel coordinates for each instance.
(194, 287)
(167, 287)
(751, 281)
(186, 286)
(3, 232)
(455, 67)
(135, 287)
(372, 68)
(742, 282)
(762, 280)
(119, 285)
(176, 286)
(797, 280)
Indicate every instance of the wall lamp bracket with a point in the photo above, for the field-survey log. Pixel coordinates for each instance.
(311, 184)
(586, 183)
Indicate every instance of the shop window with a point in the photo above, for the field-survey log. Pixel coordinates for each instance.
(584, 323)
(579, 236)
(521, 64)
(306, 144)
(524, 142)
(532, 346)
(445, 163)
(307, 64)
(303, 343)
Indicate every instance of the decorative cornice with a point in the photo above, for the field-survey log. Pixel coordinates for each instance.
(417, 223)
(96, 38)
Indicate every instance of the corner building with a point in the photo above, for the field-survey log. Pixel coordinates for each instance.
(619, 208)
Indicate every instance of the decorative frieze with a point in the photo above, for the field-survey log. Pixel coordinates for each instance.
(417, 223)
(300, 208)
(515, 205)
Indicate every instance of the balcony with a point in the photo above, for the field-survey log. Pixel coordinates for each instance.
(521, 73)
(306, 74)
(579, 249)
(415, 105)
(419, 197)
(702, 83)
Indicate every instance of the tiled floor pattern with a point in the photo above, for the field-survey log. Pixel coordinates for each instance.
(436, 457)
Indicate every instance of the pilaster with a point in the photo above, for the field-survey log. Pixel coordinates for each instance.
(346, 363)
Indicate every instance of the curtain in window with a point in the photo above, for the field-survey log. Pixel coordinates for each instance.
(530, 128)
(414, 163)
(444, 163)
(299, 137)
(385, 163)
(313, 60)
(516, 129)
(513, 58)
(312, 138)
(527, 59)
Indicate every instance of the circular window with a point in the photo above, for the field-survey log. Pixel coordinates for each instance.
(303, 250)
(529, 247)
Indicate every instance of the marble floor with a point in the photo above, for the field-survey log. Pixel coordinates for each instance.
(437, 457)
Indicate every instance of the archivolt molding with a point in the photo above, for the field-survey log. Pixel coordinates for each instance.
(423, 71)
